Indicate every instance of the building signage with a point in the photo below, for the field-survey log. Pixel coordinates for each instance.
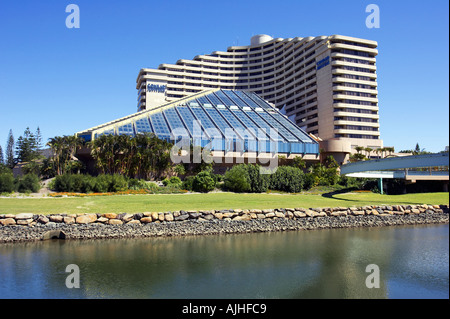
(323, 62)
(156, 88)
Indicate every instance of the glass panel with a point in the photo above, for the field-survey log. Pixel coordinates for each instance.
(218, 119)
(159, 125)
(126, 129)
(294, 129)
(107, 132)
(143, 126)
(262, 124)
(205, 121)
(203, 100)
(225, 100)
(214, 99)
(175, 122)
(188, 118)
(236, 100)
(247, 100)
(250, 124)
(281, 129)
(258, 100)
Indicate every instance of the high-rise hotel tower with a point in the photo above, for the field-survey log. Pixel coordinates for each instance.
(327, 85)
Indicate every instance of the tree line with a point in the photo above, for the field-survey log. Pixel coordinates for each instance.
(25, 149)
(142, 156)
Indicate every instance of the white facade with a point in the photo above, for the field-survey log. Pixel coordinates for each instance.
(327, 85)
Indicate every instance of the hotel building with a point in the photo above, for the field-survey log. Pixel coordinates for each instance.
(327, 85)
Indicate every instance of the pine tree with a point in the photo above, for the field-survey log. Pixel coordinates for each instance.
(2, 161)
(26, 147)
(10, 161)
(38, 139)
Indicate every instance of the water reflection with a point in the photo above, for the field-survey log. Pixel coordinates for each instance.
(413, 263)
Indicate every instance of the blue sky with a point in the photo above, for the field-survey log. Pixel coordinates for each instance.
(67, 80)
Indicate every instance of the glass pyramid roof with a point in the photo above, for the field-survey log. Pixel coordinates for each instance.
(228, 117)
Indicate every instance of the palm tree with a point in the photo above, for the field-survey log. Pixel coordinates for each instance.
(390, 150)
(368, 150)
(359, 149)
(377, 151)
(64, 149)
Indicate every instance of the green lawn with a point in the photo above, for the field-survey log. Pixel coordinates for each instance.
(162, 203)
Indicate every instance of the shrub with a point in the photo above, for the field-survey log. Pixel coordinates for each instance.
(60, 183)
(28, 183)
(258, 182)
(236, 179)
(309, 181)
(166, 181)
(117, 183)
(187, 183)
(79, 183)
(246, 178)
(139, 184)
(203, 182)
(88, 183)
(287, 179)
(6, 183)
(179, 169)
(323, 175)
(174, 180)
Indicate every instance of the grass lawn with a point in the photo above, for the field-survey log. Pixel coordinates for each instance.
(217, 201)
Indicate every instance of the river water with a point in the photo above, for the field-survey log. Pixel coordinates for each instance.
(411, 262)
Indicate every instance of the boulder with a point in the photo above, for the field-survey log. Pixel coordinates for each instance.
(24, 216)
(86, 219)
(125, 217)
(110, 215)
(7, 221)
(194, 214)
(43, 220)
(115, 222)
(146, 220)
(24, 222)
(243, 217)
(299, 214)
(102, 220)
(69, 220)
(56, 218)
(182, 217)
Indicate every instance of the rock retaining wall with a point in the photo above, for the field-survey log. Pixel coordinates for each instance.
(28, 226)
